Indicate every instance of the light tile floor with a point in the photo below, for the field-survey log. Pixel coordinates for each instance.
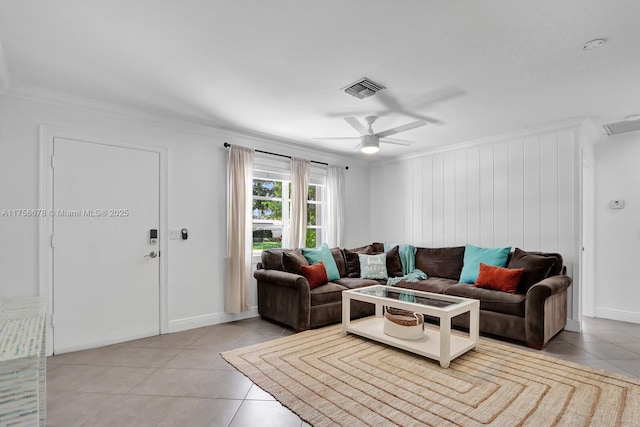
(180, 379)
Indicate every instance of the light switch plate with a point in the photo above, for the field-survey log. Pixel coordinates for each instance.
(616, 204)
(174, 235)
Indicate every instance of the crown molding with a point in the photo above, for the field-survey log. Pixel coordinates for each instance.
(284, 144)
(265, 141)
(5, 80)
(47, 96)
(574, 123)
(590, 132)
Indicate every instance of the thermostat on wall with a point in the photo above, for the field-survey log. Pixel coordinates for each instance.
(616, 204)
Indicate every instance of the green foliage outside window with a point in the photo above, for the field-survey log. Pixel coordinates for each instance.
(263, 238)
(265, 209)
(311, 239)
(312, 218)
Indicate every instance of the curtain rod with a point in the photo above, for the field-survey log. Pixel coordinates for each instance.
(227, 145)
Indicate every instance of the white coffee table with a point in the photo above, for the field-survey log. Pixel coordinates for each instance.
(437, 343)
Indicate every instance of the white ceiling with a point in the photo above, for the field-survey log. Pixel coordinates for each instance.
(275, 67)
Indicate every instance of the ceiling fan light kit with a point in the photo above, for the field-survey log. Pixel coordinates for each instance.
(369, 144)
(370, 141)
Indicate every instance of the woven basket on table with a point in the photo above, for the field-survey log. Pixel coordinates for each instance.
(403, 324)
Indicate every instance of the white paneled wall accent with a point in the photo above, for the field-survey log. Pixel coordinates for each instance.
(521, 191)
(518, 192)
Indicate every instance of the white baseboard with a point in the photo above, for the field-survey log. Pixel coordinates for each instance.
(209, 320)
(174, 326)
(621, 315)
(573, 326)
(101, 344)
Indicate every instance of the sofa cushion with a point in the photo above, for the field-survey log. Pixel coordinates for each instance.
(352, 260)
(537, 266)
(558, 266)
(498, 278)
(292, 261)
(373, 266)
(437, 285)
(315, 274)
(440, 262)
(355, 283)
(326, 294)
(394, 263)
(490, 300)
(368, 249)
(323, 253)
(272, 259)
(341, 263)
(377, 247)
(474, 255)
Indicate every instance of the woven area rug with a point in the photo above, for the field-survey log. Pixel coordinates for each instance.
(331, 379)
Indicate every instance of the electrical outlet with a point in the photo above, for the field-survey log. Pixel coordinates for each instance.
(174, 235)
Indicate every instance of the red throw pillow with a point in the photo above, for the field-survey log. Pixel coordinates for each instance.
(499, 278)
(316, 274)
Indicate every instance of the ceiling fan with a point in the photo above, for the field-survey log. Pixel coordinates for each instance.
(370, 141)
(392, 105)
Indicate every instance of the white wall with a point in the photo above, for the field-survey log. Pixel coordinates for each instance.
(616, 292)
(520, 191)
(196, 199)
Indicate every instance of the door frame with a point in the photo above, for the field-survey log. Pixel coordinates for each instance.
(47, 136)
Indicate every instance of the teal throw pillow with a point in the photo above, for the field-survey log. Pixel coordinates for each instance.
(323, 253)
(474, 255)
(373, 266)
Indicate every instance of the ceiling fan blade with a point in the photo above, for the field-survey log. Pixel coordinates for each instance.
(339, 138)
(389, 101)
(397, 141)
(355, 123)
(428, 119)
(360, 113)
(402, 128)
(435, 96)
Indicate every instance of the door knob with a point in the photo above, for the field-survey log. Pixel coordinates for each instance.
(152, 254)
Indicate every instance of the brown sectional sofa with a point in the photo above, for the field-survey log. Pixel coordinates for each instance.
(533, 315)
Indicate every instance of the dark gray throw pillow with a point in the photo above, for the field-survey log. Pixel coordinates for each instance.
(352, 260)
(394, 263)
(536, 268)
(292, 260)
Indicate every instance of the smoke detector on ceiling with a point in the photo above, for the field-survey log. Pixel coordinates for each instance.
(363, 88)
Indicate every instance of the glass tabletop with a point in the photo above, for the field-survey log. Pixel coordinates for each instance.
(406, 295)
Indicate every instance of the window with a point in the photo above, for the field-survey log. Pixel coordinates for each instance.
(268, 203)
(271, 210)
(316, 230)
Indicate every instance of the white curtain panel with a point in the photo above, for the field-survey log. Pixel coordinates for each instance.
(335, 205)
(239, 233)
(300, 172)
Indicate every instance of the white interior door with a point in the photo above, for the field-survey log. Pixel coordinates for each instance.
(106, 200)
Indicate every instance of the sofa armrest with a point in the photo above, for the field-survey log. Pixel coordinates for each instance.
(549, 286)
(546, 310)
(282, 278)
(284, 297)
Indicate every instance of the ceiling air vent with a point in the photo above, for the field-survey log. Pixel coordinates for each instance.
(363, 88)
(622, 127)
